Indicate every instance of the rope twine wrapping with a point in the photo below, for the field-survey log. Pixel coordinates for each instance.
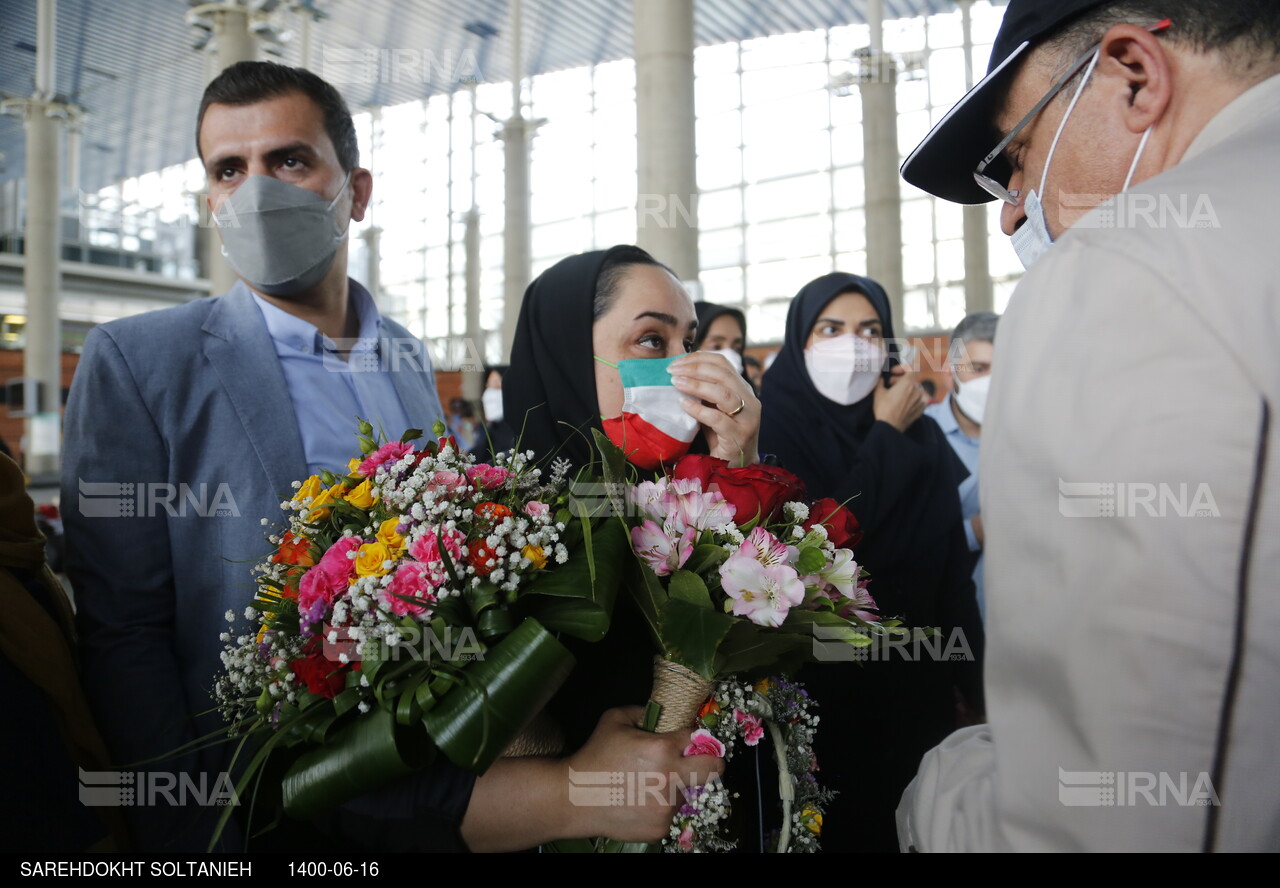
(541, 737)
(680, 692)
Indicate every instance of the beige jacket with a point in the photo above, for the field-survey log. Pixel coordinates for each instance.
(1133, 647)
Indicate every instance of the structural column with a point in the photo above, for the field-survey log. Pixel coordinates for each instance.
(42, 277)
(667, 183)
(517, 133)
(978, 292)
(878, 89)
(232, 42)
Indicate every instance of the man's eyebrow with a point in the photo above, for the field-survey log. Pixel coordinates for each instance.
(275, 155)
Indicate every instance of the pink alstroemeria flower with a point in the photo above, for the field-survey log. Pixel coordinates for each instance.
(650, 498)
(764, 547)
(703, 742)
(763, 593)
(752, 726)
(860, 604)
(688, 506)
(686, 838)
(842, 572)
(663, 549)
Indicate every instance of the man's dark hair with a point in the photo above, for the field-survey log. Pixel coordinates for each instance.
(612, 272)
(245, 83)
(1245, 32)
(977, 327)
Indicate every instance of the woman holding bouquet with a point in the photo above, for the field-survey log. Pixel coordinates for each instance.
(579, 321)
(844, 415)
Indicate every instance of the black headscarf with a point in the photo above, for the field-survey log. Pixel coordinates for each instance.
(708, 312)
(902, 500)
(549, 392)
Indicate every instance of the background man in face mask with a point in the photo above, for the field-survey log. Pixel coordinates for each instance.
(1132, 545)
(960, 417)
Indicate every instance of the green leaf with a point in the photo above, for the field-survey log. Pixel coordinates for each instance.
(706, 557)
(613, 459)
(691, 635)
(578, 597)
(747, 647)
(476, 720)
(689, 587)
(370, 753)
(410, 435)
(812, 559)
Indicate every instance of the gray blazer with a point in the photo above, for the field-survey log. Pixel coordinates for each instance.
(189, 403)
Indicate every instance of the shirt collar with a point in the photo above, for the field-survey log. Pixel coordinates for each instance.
(295, 334)
(1260, 102)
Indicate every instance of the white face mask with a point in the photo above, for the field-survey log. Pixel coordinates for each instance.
(491, 400)
(971, 396)
(731, 356)
(1032, 240)
(844, 369)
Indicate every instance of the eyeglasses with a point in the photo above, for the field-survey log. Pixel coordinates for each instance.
(999, 189)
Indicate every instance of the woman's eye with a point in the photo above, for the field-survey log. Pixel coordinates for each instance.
(652, 341)
(688, 346)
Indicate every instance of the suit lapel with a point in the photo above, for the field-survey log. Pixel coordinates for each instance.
(236, 343)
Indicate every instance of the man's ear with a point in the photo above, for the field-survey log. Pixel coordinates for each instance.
(1138, 58)
(362, 192)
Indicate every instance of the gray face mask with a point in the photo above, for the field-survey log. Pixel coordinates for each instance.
(279, 237)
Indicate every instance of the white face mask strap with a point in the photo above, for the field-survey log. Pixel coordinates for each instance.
(1044, 176)
(1133, 166)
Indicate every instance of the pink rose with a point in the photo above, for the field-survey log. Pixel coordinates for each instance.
(447, 484)
(535, 509)
(411, 580)
(686, 838)
(318, 585)
(703, 742)
(336, 562)
(427, 550)
(487, 477)
(392, 451)
(752, 728)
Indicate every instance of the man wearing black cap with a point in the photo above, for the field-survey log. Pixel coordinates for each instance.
(1132, 543)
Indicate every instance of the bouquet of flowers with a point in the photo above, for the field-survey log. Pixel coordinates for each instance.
(743, 579)
(410, 607)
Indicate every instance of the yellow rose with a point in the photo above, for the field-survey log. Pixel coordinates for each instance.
(813, 820)
(262, 633)
(362, 497)
(322, 503)
(353, 467)
(370, 558)
(311, 487)
(535, 555)
(762, 686)
(387, 534)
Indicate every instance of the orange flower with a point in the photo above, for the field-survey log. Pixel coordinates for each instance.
(711, 707)
(481, 557)
(492, 512)
(294, 550)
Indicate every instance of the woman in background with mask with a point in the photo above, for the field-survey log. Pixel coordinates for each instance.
(496, 434)
(602, 343)
(840, 412)
(723, 331)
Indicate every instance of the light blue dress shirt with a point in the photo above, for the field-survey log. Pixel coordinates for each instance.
(967, 449)
(330, 392)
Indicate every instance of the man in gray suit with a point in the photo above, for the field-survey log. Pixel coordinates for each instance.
(185, 429)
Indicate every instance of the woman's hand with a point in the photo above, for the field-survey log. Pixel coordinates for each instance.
(903, 402)
(720, 399)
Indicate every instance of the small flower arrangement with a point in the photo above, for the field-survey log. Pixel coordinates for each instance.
(741, 713)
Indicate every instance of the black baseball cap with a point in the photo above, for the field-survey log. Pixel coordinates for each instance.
(944, 162)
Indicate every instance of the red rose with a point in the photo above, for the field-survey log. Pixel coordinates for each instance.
(841, 525)
(322, 677)
(753, 490)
